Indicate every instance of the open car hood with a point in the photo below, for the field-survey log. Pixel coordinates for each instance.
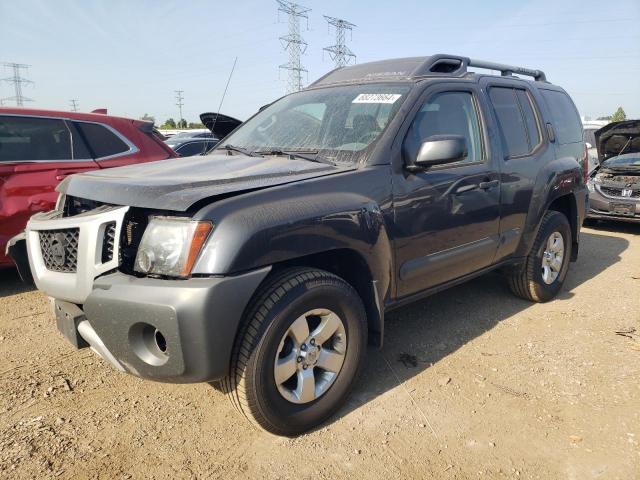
(617, 138)
(219, 124)
(178, 183)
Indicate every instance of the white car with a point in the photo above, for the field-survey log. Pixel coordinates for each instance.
(590, 128)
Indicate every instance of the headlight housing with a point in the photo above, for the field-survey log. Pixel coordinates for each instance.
(591, 185)
(170, 246)
(60, 202)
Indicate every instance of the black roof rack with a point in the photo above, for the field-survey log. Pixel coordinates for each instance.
(456, 65)
(416, 67)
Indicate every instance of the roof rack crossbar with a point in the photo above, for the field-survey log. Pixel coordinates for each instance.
(508, 70)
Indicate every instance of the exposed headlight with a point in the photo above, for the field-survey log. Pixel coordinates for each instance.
(591, 185)
(170, 246)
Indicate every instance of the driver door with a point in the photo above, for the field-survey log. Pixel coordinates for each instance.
(446, 216)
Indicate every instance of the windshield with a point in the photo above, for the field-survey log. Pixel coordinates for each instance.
(335, 122)
(628, 160)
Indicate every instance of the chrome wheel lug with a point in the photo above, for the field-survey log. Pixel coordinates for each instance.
(299, 359)
(312, 341)
(303, 347)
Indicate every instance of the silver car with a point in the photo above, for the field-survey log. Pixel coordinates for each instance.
(614, 185)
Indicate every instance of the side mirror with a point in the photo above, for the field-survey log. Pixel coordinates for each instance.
(441, 149)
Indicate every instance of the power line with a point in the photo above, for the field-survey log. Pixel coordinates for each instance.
(74, 105)
(17, 81)
(293, 43)
(179, 101)
(340, 53)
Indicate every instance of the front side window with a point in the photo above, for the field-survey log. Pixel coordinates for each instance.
(102, 141)
(448, 113)
(24, 139)
(193, 148)
(338, 123)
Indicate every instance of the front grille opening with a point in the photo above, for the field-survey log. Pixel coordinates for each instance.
(60, 249)
(108, 242)
(617, 192)
(75, 206)
(135, 222)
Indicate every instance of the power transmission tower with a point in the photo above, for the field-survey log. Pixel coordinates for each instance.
(17, 81)
(74, 105)
(179, 102)
(293, 43)
(340, 53)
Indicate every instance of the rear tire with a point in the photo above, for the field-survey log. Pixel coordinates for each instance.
(543, 273)
(282, 379)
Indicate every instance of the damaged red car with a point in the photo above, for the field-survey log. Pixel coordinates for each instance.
(614, 185)
(39, 148)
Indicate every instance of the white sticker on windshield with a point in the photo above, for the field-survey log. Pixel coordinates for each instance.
(377, 98)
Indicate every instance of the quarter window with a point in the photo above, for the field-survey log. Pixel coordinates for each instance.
(102, 141)
(32, 139)
(448, 113)
(566, 121)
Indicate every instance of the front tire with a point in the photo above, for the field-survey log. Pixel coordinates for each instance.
(545, 269)
(300, 348)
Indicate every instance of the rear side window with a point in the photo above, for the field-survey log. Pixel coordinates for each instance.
(533, 132)
(512, 127)
(31, 138)
(102, 141)
(566, 121)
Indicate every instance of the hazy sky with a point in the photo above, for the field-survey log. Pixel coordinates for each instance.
(130, 56)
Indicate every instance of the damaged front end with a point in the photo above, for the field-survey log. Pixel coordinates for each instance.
(614, 185)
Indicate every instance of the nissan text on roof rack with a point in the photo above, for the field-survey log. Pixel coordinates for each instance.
(268, 265)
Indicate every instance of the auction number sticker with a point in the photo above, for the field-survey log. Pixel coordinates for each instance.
(377, 98)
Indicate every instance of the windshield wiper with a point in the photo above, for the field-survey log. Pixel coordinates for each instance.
(244, 151)
(302, 154)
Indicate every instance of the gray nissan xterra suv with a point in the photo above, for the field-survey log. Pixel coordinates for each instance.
(267, 266)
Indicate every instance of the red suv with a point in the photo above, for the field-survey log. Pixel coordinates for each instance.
(39, 148)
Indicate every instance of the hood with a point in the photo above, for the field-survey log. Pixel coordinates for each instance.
(219, 124)
(176, 184)
(617, 138)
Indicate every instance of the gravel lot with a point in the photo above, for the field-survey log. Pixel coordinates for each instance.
(471, 383)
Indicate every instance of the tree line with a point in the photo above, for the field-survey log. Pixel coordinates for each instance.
(171, 124)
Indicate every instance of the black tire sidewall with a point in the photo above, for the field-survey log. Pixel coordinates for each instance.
(556, 223)
(286, 416)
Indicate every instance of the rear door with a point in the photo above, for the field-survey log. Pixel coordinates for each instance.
(523, 149)
(447, 216)
(36, 153)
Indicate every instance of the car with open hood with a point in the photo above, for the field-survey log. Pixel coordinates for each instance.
(201, 141)
(614, 185)
(267, 266)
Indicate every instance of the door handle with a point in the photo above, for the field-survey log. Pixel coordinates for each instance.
(489, 184)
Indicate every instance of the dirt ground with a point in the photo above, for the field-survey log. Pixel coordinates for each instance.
(471, 383)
